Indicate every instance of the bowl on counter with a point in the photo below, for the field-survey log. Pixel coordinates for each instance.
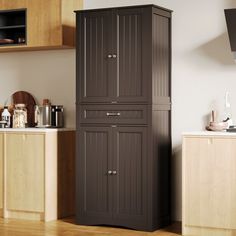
(217, 126)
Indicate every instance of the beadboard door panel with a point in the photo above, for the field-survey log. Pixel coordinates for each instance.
(130, 180)
(132, 37)
(94, 184)
(94, 70)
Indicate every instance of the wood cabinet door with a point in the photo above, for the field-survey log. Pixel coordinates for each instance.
(130, 178)
(94, 75)
(209, 182)
(24, 172)
(132, 47)
(93, 181)
(1, 172)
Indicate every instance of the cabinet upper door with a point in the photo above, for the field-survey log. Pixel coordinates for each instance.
(93, 164)
(130, 178)
(94, 78)
(132, 47)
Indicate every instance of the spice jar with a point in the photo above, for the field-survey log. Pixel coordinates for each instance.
(20, 116)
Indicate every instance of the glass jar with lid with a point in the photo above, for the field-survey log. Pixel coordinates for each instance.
(20, 116)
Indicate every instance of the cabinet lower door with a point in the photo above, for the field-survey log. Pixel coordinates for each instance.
(1, 174)
(209, 180)
(24, 173)
(130, 178)
(93, 181)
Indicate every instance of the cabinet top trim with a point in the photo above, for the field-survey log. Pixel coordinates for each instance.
(35, 130)
(124, 7)
(208, 133)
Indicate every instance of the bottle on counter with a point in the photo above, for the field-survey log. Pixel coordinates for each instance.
(6, 116)
(227, 110)
(43, 114)
(20, 116)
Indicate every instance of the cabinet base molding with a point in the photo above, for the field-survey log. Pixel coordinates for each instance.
(203, 231)
(23, 215)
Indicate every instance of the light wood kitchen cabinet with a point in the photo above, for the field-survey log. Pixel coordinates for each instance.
(1, 174)
(49, 24)
(38, 174)
(209, 184)
(25, 172)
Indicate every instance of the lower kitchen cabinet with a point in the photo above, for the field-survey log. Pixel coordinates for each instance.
(38, 174)
(209, 184)
(25, 173)
(1, 174)
(112, 176)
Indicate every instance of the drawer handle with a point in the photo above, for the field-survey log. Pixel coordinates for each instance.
(113, 113)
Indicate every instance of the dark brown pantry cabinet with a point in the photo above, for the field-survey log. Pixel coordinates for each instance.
(123, 91)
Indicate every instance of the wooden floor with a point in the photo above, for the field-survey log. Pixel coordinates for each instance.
(9, 227)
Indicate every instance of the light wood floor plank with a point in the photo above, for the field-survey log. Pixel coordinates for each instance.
(10, 227)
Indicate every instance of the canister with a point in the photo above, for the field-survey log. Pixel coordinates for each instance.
(57, 116)
(20, 116)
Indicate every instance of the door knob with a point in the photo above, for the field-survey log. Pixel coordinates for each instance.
(114, 172)
(110, 56)
(110, 172)
(114, 56)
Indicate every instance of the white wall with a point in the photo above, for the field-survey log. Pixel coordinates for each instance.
(44, 74)
(203, 69)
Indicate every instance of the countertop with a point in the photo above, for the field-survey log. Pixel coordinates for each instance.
(209, 133)
(34, 130)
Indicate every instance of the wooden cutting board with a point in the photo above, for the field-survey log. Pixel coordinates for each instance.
(27, 99)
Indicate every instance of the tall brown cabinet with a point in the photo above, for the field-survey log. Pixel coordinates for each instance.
(123, 117)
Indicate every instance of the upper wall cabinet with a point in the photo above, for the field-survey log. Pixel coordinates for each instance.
(37, 24)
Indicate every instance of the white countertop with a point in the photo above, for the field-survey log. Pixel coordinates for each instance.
(41, 130)
(209, 133)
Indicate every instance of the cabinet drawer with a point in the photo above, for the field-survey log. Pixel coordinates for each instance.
(122, 114)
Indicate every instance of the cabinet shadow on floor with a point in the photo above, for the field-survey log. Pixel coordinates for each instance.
(175, 227)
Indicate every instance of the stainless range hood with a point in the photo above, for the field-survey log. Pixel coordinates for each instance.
(230, 15)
